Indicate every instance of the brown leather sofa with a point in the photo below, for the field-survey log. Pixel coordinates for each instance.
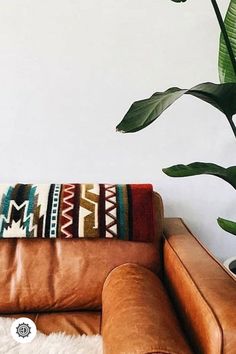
(171, 296)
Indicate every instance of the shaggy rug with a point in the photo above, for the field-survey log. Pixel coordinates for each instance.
(56, 343)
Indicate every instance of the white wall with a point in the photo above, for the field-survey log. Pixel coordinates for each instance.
(69, 70)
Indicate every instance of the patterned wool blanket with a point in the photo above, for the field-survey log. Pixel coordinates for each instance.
(77, 210)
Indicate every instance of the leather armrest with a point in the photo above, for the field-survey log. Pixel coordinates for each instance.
(137, 317)
(203, 291)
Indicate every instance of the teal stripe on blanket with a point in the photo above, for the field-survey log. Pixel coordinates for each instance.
(120, 212)
(6, 198)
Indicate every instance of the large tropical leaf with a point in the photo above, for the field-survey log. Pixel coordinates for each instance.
(226, 71)
(202, 168)
(144, 112)
(227, 225)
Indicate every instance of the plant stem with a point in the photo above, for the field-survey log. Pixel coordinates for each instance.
(225, 34)
(230, 119)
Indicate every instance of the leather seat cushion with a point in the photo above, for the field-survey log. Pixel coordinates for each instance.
(71, 323)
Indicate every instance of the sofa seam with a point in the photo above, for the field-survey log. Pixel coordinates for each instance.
(162, 351)
(36, 318)
(121, 266)
(207, 251)
(201, 294)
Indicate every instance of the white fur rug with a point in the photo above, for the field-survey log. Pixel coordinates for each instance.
(56, 343)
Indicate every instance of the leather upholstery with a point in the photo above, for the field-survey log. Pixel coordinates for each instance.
(70, 322)
(203, 291)
(63, 284)
(61, 274)
(137, 316)
(158, 216)
(42, 275)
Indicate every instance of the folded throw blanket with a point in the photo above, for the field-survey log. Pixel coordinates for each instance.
(77, 210)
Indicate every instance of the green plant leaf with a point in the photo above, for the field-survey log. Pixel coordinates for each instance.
(227, 225)
(202, 168)
(226, 71)
(144, 112)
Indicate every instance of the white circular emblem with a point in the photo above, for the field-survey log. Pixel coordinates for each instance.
(23, 330)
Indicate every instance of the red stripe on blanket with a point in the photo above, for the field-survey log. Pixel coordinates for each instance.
(142, 212)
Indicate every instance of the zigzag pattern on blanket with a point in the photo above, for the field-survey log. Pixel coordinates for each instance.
(77, 210)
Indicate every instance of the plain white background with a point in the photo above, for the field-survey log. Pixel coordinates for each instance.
(69, 71)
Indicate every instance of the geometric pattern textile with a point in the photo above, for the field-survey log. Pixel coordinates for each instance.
(123, 211)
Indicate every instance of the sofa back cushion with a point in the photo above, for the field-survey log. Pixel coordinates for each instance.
(60, 274)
